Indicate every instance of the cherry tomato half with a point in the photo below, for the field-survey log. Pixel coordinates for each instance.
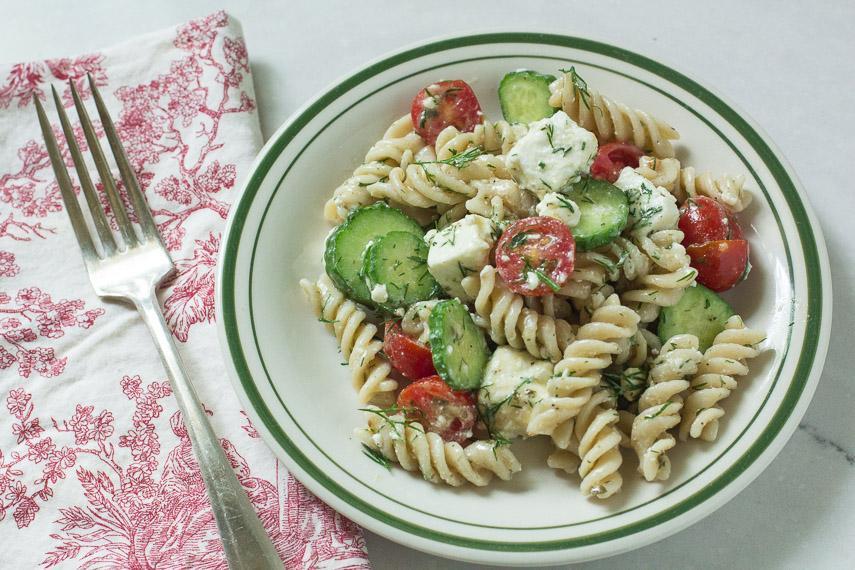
(612, 158)
(535, 256)
(408, 356)
(439, 409)
(721, 264)
(702, 219)
(442, 104)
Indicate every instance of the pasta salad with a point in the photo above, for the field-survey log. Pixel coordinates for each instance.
(553, 274)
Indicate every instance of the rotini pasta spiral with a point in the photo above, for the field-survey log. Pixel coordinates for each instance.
(588, 276)
(610, 120)
(508, 321)
(620, 258)
(551, 306)
(500, 200)
(492, 137)
(409, 445)
(643, 347)
(660, 404)
(599, 439)
(685, 183)
(715, 380)
(578, 373)
(356, 337)
(378, 163)
(422, 184)
(663, 287)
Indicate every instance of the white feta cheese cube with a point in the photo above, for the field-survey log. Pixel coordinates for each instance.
(514, 382)
(458, 250)
(560, 207)
(651, 208)
(554, 153)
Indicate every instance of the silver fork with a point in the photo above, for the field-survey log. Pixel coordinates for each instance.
(130, 268)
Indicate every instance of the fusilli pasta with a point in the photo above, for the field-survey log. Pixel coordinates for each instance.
(686, 183)
(610, 120)
(578, 373)
(356, 337)
(660, 404)
(715, 380)
(595, 430)
(378, 163)
(508, 321)
(664, 286)
(438, 461)
(492, 137)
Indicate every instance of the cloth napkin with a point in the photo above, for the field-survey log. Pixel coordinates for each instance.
(96, 469)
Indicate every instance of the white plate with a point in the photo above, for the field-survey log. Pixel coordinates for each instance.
(286, 368)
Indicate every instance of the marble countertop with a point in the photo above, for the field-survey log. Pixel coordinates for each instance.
(788, 65)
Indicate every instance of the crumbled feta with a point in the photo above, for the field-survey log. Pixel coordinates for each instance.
(554, 153)
(559, 207)
(379, 294)
(531, 280)
(651, 207)
(460, 249)
(514, 382)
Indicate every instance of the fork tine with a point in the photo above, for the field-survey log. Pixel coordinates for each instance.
(101, 225)
(122, 220)
(75, 215)
(128, 177)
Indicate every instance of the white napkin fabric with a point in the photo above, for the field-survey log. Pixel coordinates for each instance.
(96, 470)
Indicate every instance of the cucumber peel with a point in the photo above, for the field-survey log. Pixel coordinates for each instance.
(458, 345)
(700, 312)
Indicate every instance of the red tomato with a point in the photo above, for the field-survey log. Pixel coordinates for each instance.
(535, 256)
(439, 409)
(612, 158)
(408, 356)
(703, 219)
(721, 264)
(442, 104)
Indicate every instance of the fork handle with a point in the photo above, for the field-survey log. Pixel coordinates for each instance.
(245, 541)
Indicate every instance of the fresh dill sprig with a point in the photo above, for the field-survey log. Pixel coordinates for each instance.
(566, 203)
(541, 276)
(580, 85)
(458, 160)
(386, 415)
(659, 411)
(487, 413)
(518, 240)
(376, 456)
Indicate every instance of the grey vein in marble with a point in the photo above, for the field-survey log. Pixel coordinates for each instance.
(827, 443)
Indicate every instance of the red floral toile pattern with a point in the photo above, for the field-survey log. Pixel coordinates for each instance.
(96, 469)
(131, 512)
(30, 316)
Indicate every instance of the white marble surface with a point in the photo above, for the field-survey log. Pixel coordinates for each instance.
(787, 64)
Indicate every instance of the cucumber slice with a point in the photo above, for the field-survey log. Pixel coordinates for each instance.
(524, 96)
(604, 210)
(458, 345)
(700, 312)
(346, 245)
(398, 263)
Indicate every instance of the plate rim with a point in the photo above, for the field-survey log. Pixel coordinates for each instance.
(778, 430)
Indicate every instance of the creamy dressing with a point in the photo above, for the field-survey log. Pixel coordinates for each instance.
(379, 294)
